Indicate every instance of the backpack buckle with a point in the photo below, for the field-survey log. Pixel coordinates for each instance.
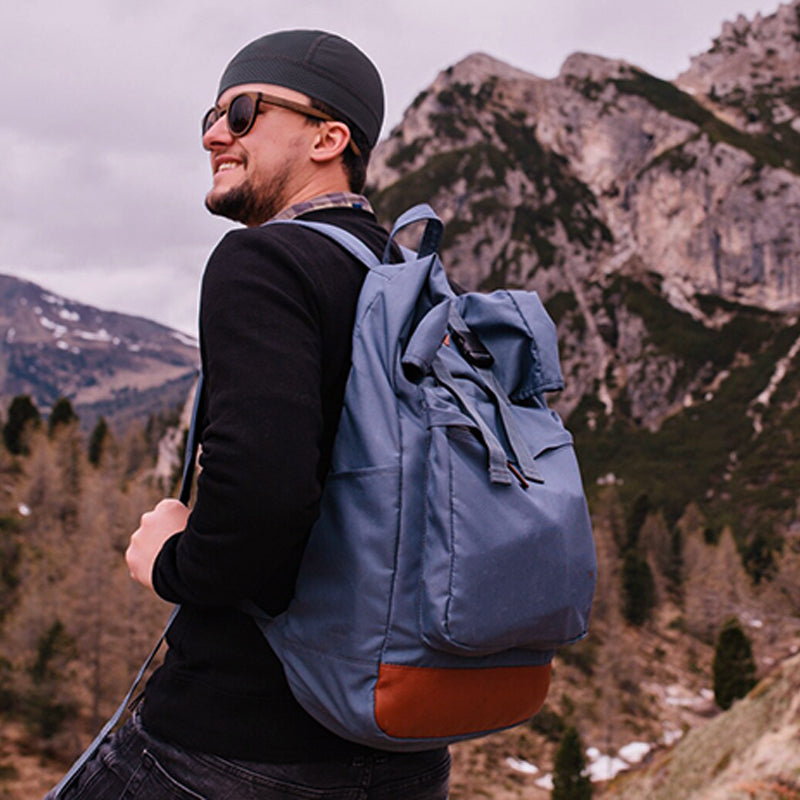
(472, 348)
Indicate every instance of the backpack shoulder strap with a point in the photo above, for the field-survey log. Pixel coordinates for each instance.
(343, 238)
(432, 235)
(192, 442)
(429, 244)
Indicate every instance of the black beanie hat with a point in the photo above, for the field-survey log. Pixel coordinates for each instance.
(321, 65)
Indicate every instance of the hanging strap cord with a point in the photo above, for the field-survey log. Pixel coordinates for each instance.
(498, 461)
(90, 751)
(479, 357)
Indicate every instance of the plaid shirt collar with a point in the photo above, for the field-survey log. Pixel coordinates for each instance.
(330, 200)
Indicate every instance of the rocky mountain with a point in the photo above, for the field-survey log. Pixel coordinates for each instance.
(659, 222)
(604, 172)
(664, 239)
(751, 74)
(103, 362)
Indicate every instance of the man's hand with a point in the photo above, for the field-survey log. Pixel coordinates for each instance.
(155, 527)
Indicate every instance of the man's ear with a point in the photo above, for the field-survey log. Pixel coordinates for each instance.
(330, 141)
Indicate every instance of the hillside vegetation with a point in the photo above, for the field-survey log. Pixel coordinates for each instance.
(73, 627)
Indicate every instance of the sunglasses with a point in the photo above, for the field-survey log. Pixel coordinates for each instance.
(243, 109)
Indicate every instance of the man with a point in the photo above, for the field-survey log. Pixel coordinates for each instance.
(296, 116)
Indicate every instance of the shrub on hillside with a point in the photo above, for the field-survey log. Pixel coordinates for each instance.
(733, 667)
(570, 781)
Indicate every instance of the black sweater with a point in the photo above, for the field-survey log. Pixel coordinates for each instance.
(276, 316)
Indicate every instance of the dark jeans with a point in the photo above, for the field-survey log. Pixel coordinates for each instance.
(132, 765)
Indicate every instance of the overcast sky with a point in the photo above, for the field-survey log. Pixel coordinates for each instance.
(102, 171)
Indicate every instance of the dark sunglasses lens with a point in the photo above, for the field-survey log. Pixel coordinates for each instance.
(212, 115)
(241, 112)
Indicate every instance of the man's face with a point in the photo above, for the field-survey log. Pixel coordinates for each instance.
(256, 175)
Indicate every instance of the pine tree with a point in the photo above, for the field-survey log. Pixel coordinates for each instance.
(97, 441)
(10, 556)
(68, 451)
(46, 709)
(636, 520)
(716, 583)
(638, 589)
(569, 779)
(61, 414)
(22, 416)
(734, 668)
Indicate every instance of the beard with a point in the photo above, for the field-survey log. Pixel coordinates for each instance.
(253, 201)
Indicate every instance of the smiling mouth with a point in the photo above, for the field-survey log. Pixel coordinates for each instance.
(226, 166)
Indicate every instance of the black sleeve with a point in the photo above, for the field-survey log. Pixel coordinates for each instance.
(259, 488)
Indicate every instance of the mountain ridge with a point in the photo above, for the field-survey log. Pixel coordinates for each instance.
(634, 143)
(104, 362)
(600, 173)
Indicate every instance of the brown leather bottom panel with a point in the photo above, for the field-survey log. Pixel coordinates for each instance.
(414, 702)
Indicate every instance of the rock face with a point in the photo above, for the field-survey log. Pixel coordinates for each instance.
(606, 155)
(748, 752)
(606, 173)
(751, 73)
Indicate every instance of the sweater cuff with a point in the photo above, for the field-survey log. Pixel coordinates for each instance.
(163, 566)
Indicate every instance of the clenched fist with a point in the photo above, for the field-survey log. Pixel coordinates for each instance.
(155, 527)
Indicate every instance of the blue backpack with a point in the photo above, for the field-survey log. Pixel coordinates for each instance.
(453, 553)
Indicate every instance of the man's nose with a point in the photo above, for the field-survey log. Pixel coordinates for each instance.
(217, 134)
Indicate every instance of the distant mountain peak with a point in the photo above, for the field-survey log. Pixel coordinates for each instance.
(102, 361)
(589, 66)
(752, 64)
(479, 64)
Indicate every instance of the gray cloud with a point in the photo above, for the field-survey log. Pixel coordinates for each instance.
(102, 173)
